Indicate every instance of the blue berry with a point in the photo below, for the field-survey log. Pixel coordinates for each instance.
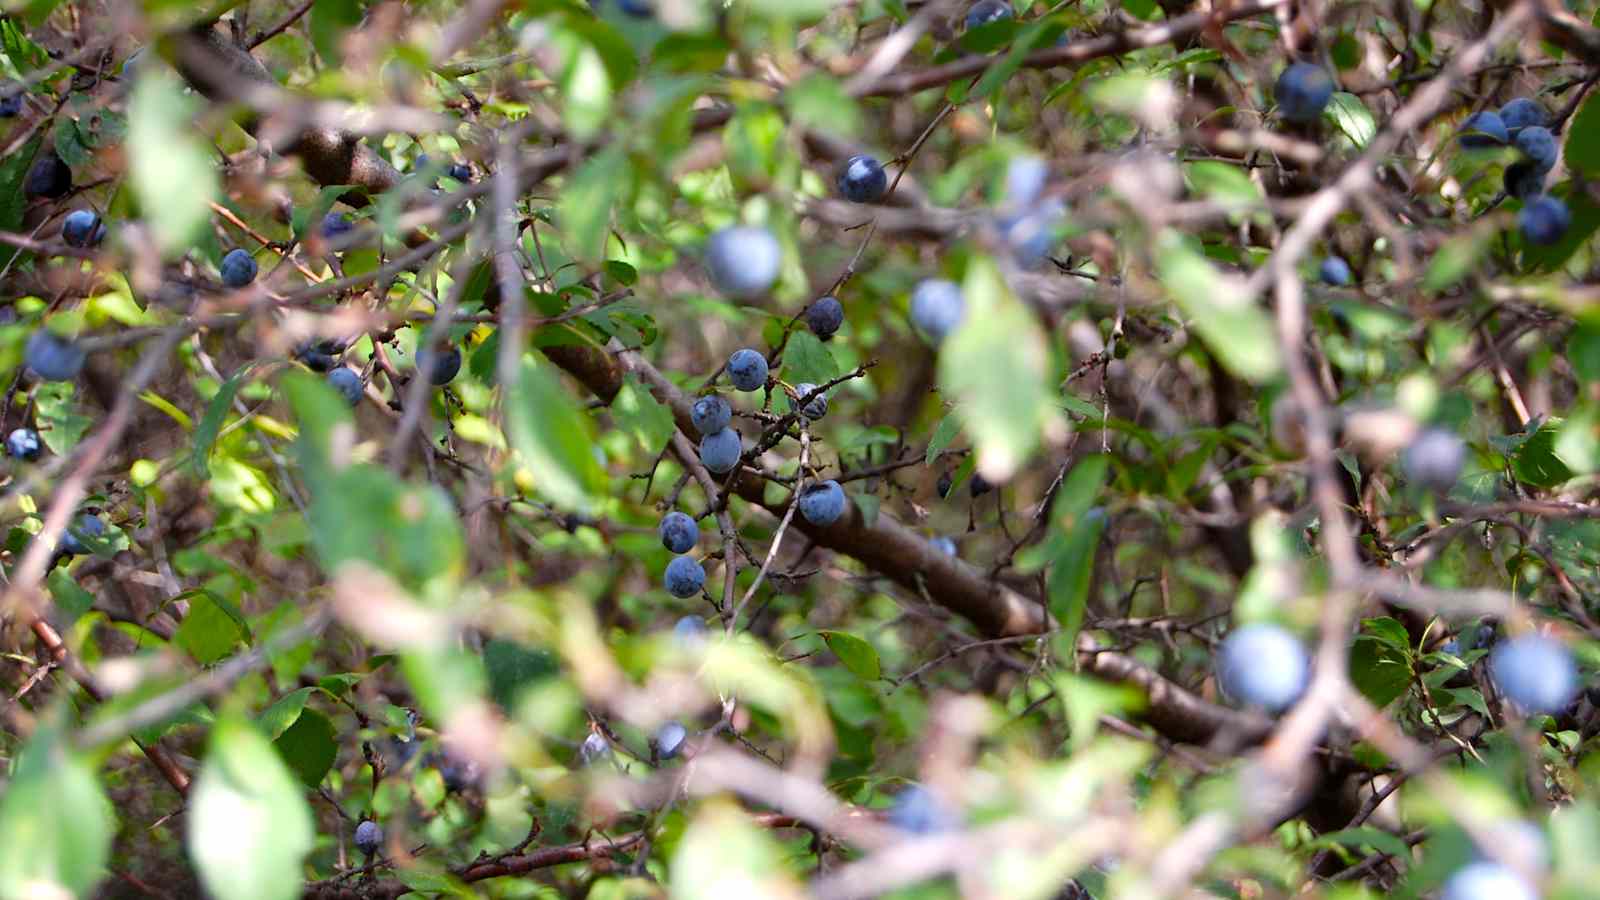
(1535, 672)
(10, 104)
(319, 356)
(52, 357)
(460, 172)
(369, 837)
(441, 366)
(1487, 881)
(985, 11)
(457, 772)
(1336, 271)
(979, 485)
(238, 268)
(1522, 113)
(1263, 665)
(24, 444)
(1302, 92)
(336, 224)
(420, 163)
(1483, 130)
(937, 308)
(822, 503)
(944, 545)
(863, 180)
(747, 369)
(685, 577)
(816, 407)
(82, 228)
(49, 178)
(710, 414)
(1025, 180)
(678, 532)
(690, 632)
(720, 451)
(1031, 234)
(1434, 460)
(595, 747)
(743, 261)
(1539, 146)
(1544, 220)
(669, 740)
(87, 526)
(916, 810)
(1524, 179)
(824, 317)
(348, 383)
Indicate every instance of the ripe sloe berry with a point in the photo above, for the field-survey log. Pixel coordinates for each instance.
(335, 224)
(348, 383)
(24, 444)
(1434, 460)
(52, 357)
(669, 740)
(690, 632)
(710, 414)
(82, 228)
(595, 747)
(747, 369)
(918, 811)
(1302, 92)
(1535, 672)
(1483, 130)
(49, 178)
(1544, 220)
(816, 407)
(678, 532)
(862, 179)
(824, 317)
(985, 11)
(441, 366)
(238, 268)
(1539, 145)
(369, 837)
(1263, 665)
(720, 450)
(1525, 179)
(86, 526)
(822, 503)
(937, 308)
(1522, 113)
(685, 577)
(743, 261)
(1336, 271)
(1487, 881)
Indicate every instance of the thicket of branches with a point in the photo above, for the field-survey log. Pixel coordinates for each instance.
(1217, 463)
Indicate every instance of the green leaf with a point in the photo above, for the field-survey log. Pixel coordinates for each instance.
(57, 411)
(277, 718)
(1079, 530)
(857, 655)
(249, 828)
(819, 101)
(22, 55)
(1365, 836)
(1388, 631)
(71, 600)
(308, 747)
(329, 21)
(586, 204)
(1585, 222)
(1582, 150)
(13, 171)
(55, 822)
(640, 414)
(1351, 117)
(554, 438)
(205, 436)
(586, 89)
(1234, 329)
(1001, 72)
(946, 431)
(169, 167)
(807, 361)
(1536, 463)
(1458, 256)
(1380, 671)
(995, 366)
(212, 628)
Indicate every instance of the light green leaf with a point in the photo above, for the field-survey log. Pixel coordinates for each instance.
(639, 413)
(206, 434)
(329, 20)
(249, 828)
(586, 89)
(554, 438)
(1352, 118)
(55, 823)
(807, 361)
(277, 718)
(169, 167)
(857, 655)
(211, 630)
(586, 204)
(995, 367)
(1234, 329)
(943, 433)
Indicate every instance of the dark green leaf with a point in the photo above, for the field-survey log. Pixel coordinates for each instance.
(205, 434)
(308, 747)
(554, 438)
